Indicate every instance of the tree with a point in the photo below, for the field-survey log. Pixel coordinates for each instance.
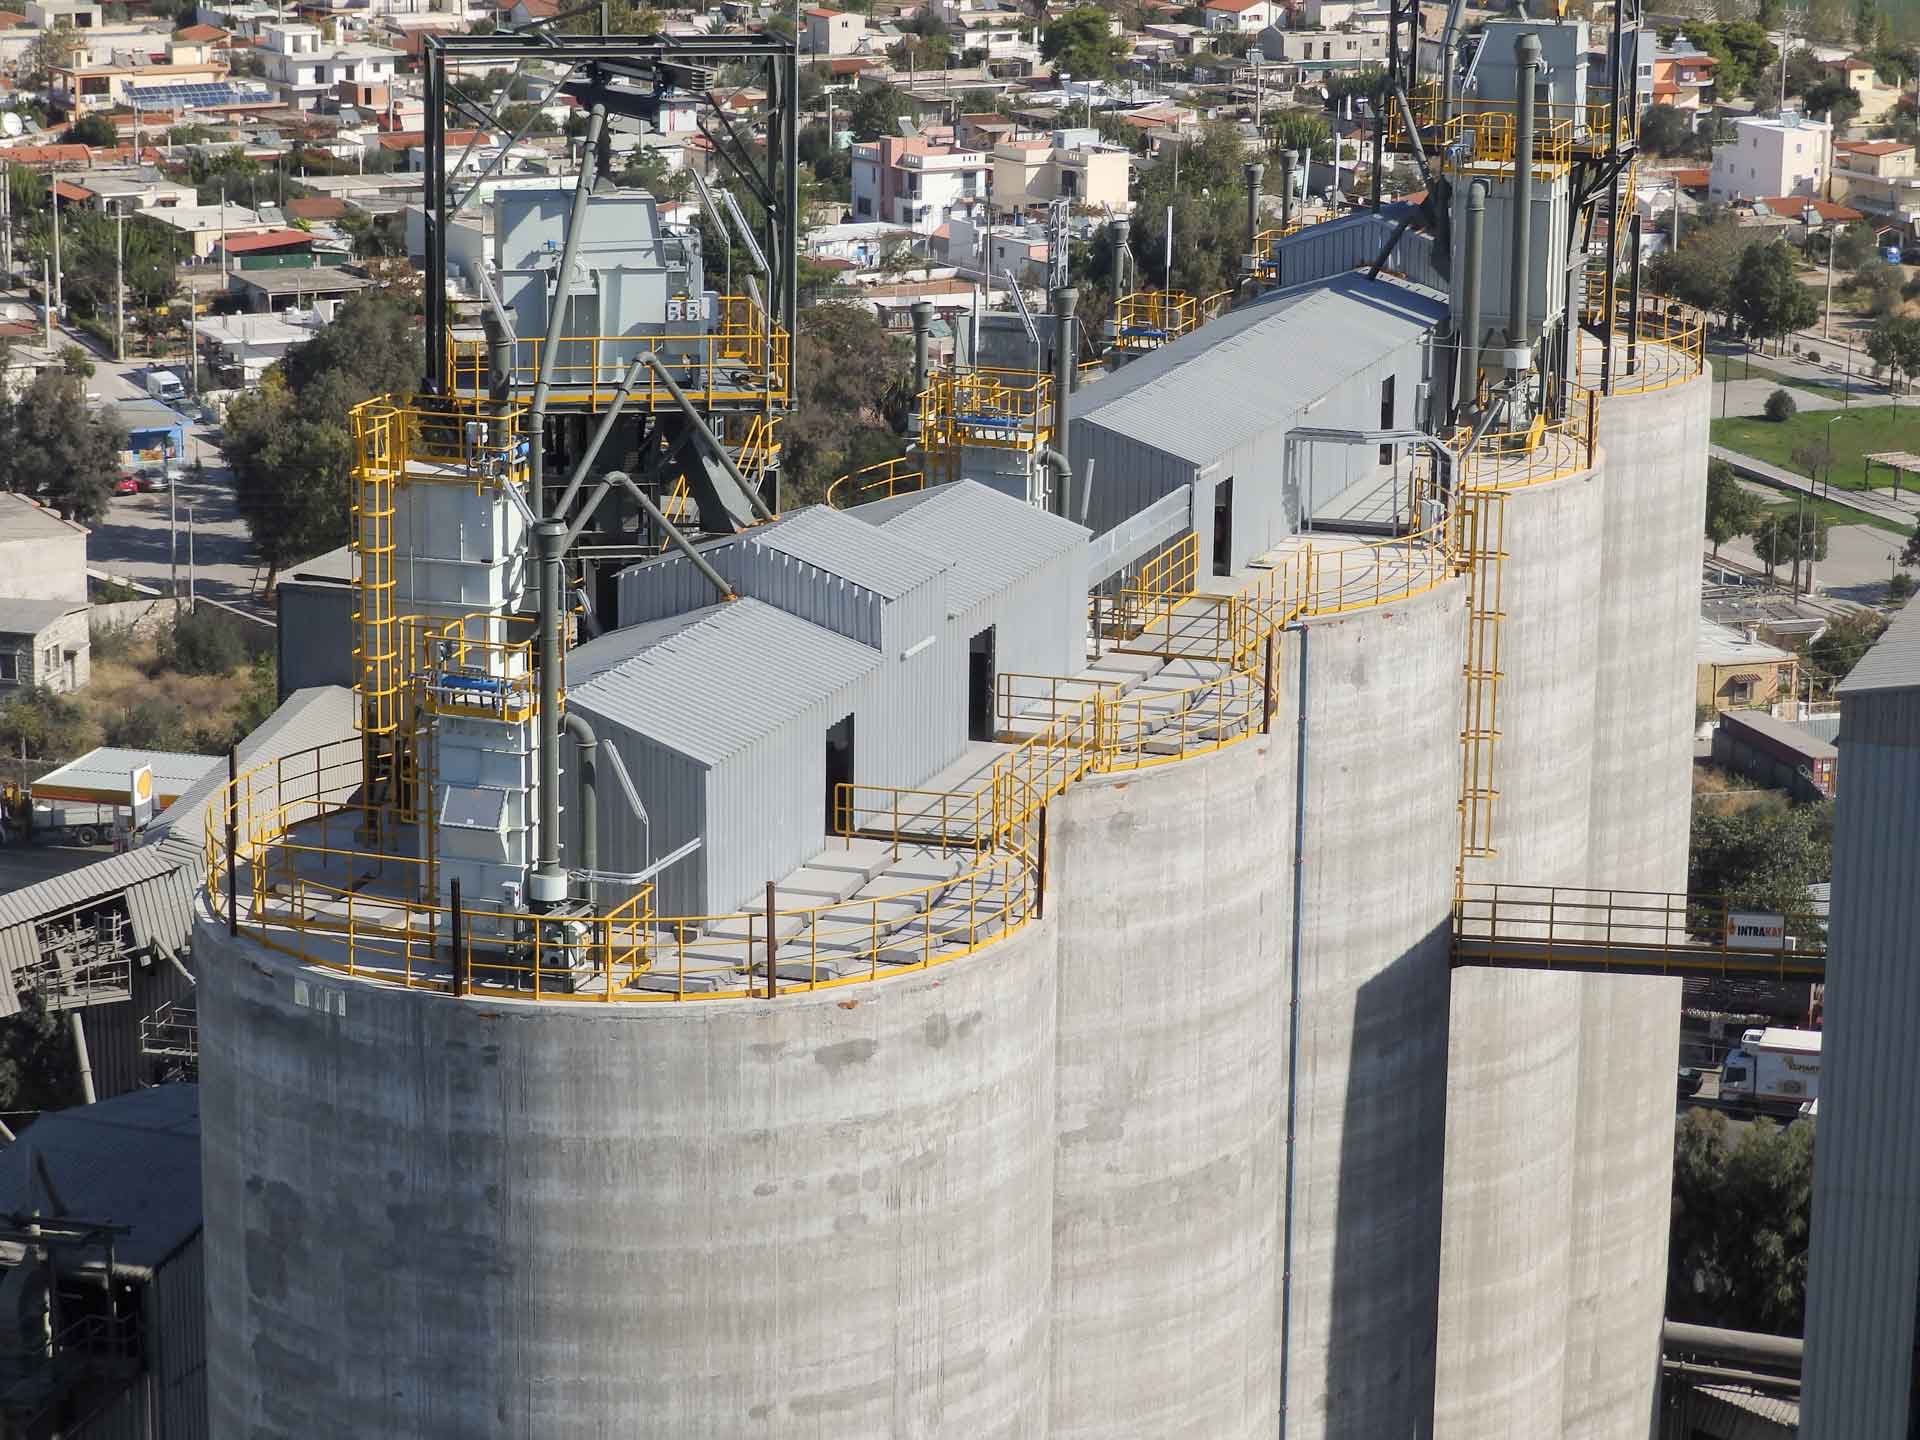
(58, 450)
(1880, 282)
(1700, 273)
(1851, 246)
(1894, 344)
(1760, 858)
(1767, 295)
(373, 347)
(878, 112)
(1298, 131)
(1772, 542)
(1835, 100)
(1731, 509)
(36, 1059)
(1665, 131)
(1081, 42)
(58, 46)
(1209, 217)
(95, 130)
(1742, 50)
(1741, 1218)
(289, 475)
(1840, 646)
(853, 377)
(1812, 458)
(41, 724)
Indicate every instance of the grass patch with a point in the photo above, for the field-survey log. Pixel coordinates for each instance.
(1835, 513)
(1861, 431)
(1734, 367)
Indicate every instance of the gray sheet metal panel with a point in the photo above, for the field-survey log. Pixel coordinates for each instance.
(669, 585)
(803, 589)
(316, 635)
(113, 1031)
(1864, 1257)
(909, 719)
(176, 1309)
(1149, 530)
(673, 790)
(766, 807)
(1354, 242)
(1128, 475)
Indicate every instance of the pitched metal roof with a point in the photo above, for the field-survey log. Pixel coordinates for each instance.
(835, 542)
(1893, 662)
(991, 540)
(133, 1160)
(1223, 384)
(30, 617)
(100, 775)
(713, 681)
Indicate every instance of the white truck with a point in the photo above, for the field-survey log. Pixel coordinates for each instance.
(166, 387)
(1773, 1069)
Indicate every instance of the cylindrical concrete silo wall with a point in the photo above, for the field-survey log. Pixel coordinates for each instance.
(1513, 1081)
(827, 1215)
(1543, 757)
(1172, 891)
(1649, 609)
(1622, 1204)
(1383, 699)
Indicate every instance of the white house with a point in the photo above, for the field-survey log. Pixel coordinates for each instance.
(304, 68)
(1243, 17)
(1791, 155)
(916, 184)
(834, 32)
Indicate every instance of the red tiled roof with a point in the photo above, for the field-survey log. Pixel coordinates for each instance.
(200, 34)
(68, 191)
(1791, 207)
(1688, 178)
(268, 240)
(1871, 147)
(407, 139)
(11, 18)
(316, 207)
(1232, 7)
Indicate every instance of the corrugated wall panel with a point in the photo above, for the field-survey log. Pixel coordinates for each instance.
(177, 1306)
(125, 1418)
(1864, 1261)
(804, 590)
(766, 807)
(1128, 476)
(670, 787)
(666, 586)
(911, 721)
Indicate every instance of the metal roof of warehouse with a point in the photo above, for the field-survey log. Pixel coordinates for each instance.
(100, 776)
(1894, 661)
(835, 542)
(709, 683)
(1214, 389)
(993, 540)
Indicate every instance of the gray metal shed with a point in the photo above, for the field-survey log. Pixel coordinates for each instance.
(721, 719)
(1016, 596)
(1213, 409)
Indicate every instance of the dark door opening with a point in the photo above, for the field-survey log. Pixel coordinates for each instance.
(1223, 527)
(1386, 416)
(839, 769)
(980, 650)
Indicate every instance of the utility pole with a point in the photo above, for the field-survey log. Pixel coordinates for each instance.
(53, 196)
(6, 215)
(191, 598)
(225, 268)
(173, 541)
(46, 295)
(119, 284)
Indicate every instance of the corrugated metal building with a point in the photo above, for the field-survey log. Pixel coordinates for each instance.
(1864, 1259)
(1354, 242)
(864, 649)
(315, 604)
(1213, 410)
(133, 1162)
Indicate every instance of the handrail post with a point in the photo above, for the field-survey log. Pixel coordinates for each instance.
(462, 976)
(771, 944)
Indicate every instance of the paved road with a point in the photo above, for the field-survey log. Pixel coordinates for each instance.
(143, 537)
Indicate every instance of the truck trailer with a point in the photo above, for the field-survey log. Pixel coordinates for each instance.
(1773, 1069)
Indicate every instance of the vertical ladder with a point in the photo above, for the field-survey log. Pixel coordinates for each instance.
(378, 460)
(1482, 553)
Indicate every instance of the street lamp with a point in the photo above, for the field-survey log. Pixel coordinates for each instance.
(1832, 420)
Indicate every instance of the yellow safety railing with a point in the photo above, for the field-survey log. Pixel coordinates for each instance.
(466, 666)
(1147, 603)
(1487, 134)
(1025, 702)
(740, 360)
(1663, 344)
(1263, 243)
(1148, 319)
(1546, 450)
(981, 408)
(1641, 931)
(880, 481)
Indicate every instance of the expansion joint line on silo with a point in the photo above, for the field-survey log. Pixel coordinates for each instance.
(1483, 530)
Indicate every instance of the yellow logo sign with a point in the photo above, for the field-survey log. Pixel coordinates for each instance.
(142, 785)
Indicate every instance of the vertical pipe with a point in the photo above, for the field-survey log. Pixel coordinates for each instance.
(436, 198)
(1633, 300)
(922, 313)
(1286, 188)
(547, 886)
(1293, 1030)
(1472, 263)
(1255, 173)
(1526, 54)
(772, 945)
(587, 747)
(81, 1061)
(1064, 301)
(462, 976)
(556, 321)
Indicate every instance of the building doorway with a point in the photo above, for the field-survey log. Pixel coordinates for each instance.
(1223, 527)
(839, 766)
(980, 670)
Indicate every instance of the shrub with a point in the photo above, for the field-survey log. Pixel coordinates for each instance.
(111, 642)
(201, 642)
(1900, 588)
(1813, 356)
(149, 725)
(1780, 406)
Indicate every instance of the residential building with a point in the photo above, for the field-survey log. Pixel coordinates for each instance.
(276, 249)
(1007, 251)
(1339, 14)
(1809, 211)
(44, 645)
(1788, 155)
(983, 132)
(129, 192)
(264, 292)
(913, 183)
(1240, 17)
(241, 347)
(1736, 670)
(1858, 75)
(1033, 172)
(1001, 34)
(1877, 176)
(1316, 52)
(304, 68)
(42, 557)
(206, 225)
(834, 32)
(134, 81)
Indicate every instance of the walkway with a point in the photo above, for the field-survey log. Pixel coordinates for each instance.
(1902, 508)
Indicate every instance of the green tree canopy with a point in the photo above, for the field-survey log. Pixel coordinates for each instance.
(878, 112)
(1701, 271)
(1299, 130)
(1665, 131)
(1894, 344)
(57, 450)
(1731, 510)
(1741, 1217)
(1834, 99)
(1840, 646)
(1741, 47)
(1760, 858)
(853, 377)
(95, 130)
(1081, 42)
(1766, 293)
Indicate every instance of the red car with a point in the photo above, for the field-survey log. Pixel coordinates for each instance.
(126, 485)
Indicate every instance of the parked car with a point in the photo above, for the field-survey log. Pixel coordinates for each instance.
(127, 485)
(1689, 1082)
